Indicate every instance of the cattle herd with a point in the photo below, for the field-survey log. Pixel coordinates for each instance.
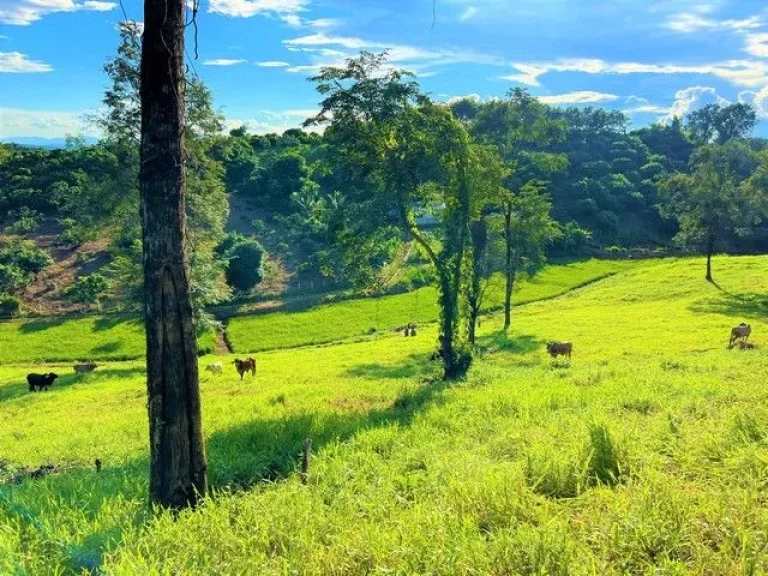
(41, 382)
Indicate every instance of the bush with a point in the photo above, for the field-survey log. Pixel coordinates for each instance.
(246, 267)
(12, 278)
(88, 289)
(9, 306)
(25, 256)
(26, 220)
(246, 261)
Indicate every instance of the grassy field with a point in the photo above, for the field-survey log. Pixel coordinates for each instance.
(122, 337)
(356, 318)
(108, 337)
(646, 454)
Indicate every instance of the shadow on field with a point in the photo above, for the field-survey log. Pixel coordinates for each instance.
(747, 305)
(107, 347)
(270, 449)
(415, 365)
(40, 325)
(503, 342)
(109, 322)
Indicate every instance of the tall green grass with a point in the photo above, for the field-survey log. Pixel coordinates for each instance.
(646, 454)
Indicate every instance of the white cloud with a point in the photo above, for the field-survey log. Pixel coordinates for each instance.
(24, 12)
(293, 20)
(273, 64)
(468, 14)
(250, 8)
(578, 97)
(758, 100)
(470, 97)
(321, 39)
(274, 121)
(691, 99)
(749, 73)
(648, 109)
(757, 45)
(328, 50)
(21, 123)
(223, 62)
(324, 23)
(16, 62)
(689, 22)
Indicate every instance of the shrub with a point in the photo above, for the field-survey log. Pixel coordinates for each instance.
(9, 306)
(26, 220)
(246, 261)
(25, 256)
(88, 289)
(12, 278)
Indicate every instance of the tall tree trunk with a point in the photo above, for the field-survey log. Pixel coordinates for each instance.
(479, 233)
(710, 251)
(178, 475)
(508, 267)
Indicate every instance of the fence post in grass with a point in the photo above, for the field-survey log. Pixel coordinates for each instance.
(305, 460)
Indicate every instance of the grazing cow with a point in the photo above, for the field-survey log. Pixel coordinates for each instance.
(556, 349)
(39, 382)
(214, 368)
(740, 332)
(247, 365)
(83, 368)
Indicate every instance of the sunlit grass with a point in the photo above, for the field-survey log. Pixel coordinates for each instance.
(357, 318)
(646, 453)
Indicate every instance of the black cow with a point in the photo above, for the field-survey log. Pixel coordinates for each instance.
(39, 382)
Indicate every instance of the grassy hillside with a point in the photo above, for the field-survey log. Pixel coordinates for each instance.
(355, 318)
(122, 337)
(648, 453)
(64, 339)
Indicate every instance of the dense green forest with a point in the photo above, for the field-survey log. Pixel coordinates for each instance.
(328, 205)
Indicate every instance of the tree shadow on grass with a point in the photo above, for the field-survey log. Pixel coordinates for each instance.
(107, 348)
(746, 305)
(270, 449)
(415, 366)
(113, 320)
(503, 342)
(238, 459)
(41, 325)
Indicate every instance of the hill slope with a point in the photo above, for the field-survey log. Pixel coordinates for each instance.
(646, 454)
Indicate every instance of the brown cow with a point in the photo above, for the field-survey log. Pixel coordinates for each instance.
(556, 349)
(247, 365)
(739, 333)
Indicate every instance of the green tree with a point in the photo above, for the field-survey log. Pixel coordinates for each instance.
(487, 176)
(206, 204)
(403, 158)
(721, 124)
(724, 195)
(245, 268)
(524, 132)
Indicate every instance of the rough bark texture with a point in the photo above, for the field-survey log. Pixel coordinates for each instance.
(177, 454)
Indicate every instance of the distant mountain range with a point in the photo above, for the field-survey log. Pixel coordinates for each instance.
(42, 142)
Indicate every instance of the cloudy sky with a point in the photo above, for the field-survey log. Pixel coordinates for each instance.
(651, 58)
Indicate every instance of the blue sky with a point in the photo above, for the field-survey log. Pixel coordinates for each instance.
(652, 59)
